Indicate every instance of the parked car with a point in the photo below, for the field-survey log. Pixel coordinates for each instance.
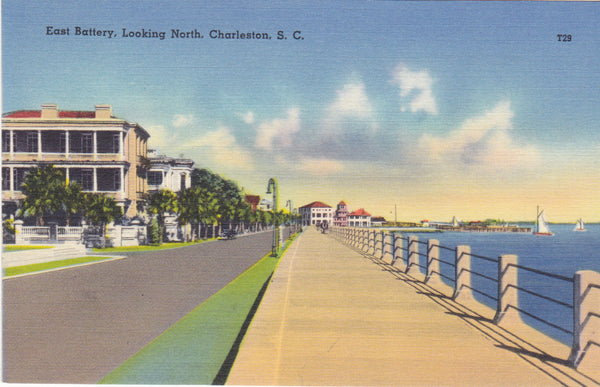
(227, 234)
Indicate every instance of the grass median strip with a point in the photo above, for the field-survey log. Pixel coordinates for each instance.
(18, 270)
(9, 248)
(200, 348)
(193, 350)
(141, 249)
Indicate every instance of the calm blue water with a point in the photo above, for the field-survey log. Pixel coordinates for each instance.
(564, 253)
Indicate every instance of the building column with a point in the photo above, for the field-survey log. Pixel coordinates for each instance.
(11, 144)
(121, 150)
(39, 144)
(95, 144)
(122, 180)
(11, 180)
(67, 145)
(95, 178)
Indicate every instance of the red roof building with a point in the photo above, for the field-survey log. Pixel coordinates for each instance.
(316, 214)
(359, 218)
(253, 200)
(99, 152)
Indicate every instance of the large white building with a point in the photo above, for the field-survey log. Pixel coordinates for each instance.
(174, 174)
(99, 151)
(316, 214)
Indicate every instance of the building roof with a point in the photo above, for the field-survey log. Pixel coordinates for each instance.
(157, 159)
(253, 199)
(359, 212)
(316, 205)
(342, 203)
(61, 114)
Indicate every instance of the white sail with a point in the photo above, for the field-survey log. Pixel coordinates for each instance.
(579, 226)
(543, 224)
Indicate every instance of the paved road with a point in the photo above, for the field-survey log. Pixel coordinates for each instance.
(77, 325)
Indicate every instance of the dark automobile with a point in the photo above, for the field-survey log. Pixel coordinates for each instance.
(227, 234)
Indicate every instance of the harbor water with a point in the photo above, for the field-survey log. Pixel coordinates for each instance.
(564, 253)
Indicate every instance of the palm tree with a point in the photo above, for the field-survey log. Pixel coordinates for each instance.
(161, 203)
(188, 210)
(44, 189)
(100, 210)
(207, 209)
(243, 214)
(73, 202)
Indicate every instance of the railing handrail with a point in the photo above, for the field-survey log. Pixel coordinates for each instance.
(544, 273)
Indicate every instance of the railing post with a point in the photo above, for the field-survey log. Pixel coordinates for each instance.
(508, 280)
(363, 240)
(397, 253)
(386, 252)
(433, 261)
(19, 237)
(586, 320)
(413, 254)
(462, 277)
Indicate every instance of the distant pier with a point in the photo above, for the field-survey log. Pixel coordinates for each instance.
(467, 228)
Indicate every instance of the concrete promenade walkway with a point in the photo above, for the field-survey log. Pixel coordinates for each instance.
(334, 317)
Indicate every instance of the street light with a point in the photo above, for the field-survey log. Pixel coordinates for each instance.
(273, 183)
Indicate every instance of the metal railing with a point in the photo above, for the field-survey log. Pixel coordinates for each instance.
(404, 254)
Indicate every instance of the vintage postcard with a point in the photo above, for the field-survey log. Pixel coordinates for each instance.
(301, 193)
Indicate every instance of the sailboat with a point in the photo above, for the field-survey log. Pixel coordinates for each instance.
(579, 225)
(542, 225)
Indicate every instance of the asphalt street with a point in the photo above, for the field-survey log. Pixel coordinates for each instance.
(78, 324)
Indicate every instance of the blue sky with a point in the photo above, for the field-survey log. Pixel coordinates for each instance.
(473, 109)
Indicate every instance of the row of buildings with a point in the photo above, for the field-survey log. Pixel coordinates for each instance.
(101, 152)
(320, 214)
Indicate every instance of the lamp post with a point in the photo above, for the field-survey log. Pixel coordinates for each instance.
(273, 185)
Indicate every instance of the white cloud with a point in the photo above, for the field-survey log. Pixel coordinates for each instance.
(278, 132)
(350, 112)
(222, 147)
(352, 102)
(248, 117)
(320, 166)
(415, 85)
(180, 120)
(483, 141)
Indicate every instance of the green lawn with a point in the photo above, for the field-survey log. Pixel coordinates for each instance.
(200, 348)
(16, 270)
(25, 247)
(164, 246)
(169, 245)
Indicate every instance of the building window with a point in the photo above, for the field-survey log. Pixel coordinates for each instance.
(84, 177)
(32, 142)
(5, 179)
(108, 142)
(6, 141)
(87, 143)
(54, 141)
(19, 175)
(109, 179)
(81, 142)
(182, 182)
(155, 177)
